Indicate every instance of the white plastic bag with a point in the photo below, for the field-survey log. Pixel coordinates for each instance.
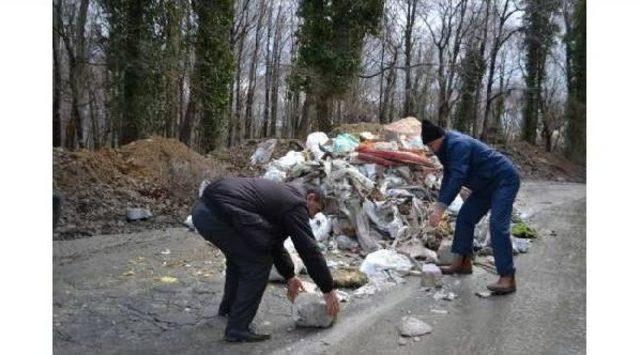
(321, 226)
(264, 152)
(314, 140)
(377, 264)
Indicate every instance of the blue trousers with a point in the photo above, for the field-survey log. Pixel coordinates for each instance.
(497, 197)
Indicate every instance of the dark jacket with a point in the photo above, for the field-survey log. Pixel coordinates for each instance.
(265, 212)
(470, 163)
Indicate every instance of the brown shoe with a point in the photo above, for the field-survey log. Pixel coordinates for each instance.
(505, 284)
(462, 265)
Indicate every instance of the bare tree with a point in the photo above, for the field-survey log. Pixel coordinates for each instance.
(248, 132)
(408, 43)
(501, 37)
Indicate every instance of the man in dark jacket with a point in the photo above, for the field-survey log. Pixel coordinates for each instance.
(494, 182)
(249, 220)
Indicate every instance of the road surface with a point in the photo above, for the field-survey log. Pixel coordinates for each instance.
(158, 291)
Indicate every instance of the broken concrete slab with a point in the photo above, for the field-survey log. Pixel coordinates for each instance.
(309, 310)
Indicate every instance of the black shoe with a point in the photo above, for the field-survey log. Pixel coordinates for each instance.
(248, 336)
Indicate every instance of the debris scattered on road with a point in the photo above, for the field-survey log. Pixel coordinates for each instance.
(412, 327)
(188, 222)
(431, 275)
(520, 245)
(309, 310)
(443, 295)
(165, 251)
(483, 294)
(402, 341)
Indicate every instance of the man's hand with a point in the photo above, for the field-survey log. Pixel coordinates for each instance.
(436, 216)
(294, 287)
(333, 305)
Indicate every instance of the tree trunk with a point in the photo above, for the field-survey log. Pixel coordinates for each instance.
(57, 77)
(411, 15)
(248, 133)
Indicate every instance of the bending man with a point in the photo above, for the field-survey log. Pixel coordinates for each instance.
(494, 182)
(249, 219)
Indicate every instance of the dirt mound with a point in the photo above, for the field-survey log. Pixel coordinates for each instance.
(97, 187)
(535, 163)
(238, 158)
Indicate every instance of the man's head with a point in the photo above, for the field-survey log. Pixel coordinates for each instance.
(315, 199)
(432, 135)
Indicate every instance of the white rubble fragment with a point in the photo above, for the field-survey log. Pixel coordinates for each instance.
(483, 294)
(135, 214)
(431, 275)
(320, 226)
(443, 295)
(309, 310)
(188, 222)
(413, 327)
(342, 296)
(380, 263)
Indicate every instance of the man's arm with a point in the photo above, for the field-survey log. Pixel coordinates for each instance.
(455, 173)
(282, 261)
(296, 223)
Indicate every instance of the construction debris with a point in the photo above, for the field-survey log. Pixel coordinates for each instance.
(309, 310)
(412, 327)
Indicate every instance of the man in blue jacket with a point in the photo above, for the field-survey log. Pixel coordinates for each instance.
(494, 182)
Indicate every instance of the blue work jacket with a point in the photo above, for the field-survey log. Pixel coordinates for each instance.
(470, 163)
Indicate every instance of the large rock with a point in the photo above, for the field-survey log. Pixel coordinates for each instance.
(348, 278)
(309, 310)
(136, 214)
(413, 327)
(445, 256)
(431, 275)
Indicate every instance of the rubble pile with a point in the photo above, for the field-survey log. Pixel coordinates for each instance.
(379, 188)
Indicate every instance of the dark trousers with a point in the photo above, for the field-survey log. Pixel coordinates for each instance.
(247, 271)
(499, 198)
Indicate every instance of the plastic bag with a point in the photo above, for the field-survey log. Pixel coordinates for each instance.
(344, 143)
(264, 152)
(377, 264)
(320, 226)
(314, 140)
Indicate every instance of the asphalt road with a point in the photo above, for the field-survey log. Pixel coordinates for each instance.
(158, 291)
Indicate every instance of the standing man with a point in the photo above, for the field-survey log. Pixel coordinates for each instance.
(494, 182)
(249, 219)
